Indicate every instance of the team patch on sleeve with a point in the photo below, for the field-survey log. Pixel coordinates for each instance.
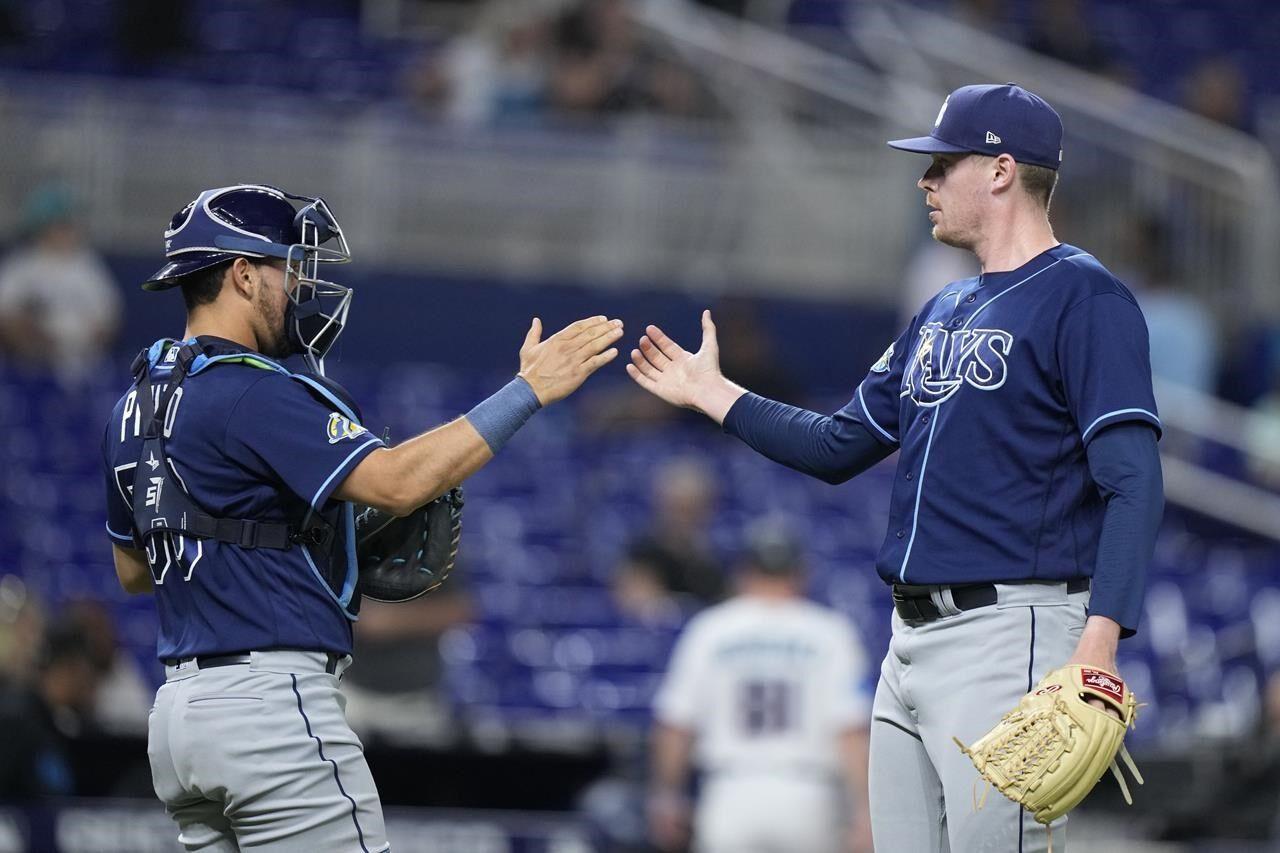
(341, 427)
(882, 366)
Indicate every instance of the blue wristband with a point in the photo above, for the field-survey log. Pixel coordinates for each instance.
(498, 417)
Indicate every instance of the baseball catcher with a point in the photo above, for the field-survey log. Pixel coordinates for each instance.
(233, 484)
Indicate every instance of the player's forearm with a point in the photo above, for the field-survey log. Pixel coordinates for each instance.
(132, 570)
(671, 749)
(400, 479)
(1125, 463)
(1098, 643)
(717, 396)
(832, 448)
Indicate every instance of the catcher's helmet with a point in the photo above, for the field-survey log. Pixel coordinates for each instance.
(260, 221)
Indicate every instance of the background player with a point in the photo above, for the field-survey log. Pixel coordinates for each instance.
(1021, 400)
(767, 690)
(248, 743)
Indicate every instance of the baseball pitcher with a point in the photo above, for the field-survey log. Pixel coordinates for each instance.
(1026, 501)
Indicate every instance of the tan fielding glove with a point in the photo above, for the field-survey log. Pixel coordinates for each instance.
(1049, 752)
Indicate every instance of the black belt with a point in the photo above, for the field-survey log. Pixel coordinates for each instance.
(211, 661)
(913, 603)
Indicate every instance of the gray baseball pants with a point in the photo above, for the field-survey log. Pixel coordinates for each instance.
(957, 676)
(259, 756)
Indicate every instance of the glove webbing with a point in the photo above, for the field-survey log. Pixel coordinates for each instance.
(1019, 754)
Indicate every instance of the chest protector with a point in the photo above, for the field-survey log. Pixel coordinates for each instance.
(163, 506)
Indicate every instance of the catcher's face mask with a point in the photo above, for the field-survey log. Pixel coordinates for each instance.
(317, 308)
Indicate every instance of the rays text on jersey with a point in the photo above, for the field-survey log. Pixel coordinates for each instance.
(944, 360)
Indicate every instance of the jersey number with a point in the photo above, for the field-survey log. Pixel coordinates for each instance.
(167, 550)
(766, 707)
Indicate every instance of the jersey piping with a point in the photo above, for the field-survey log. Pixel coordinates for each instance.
(915, 515)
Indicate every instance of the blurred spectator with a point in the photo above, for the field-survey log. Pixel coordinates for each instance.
(12, 27)
(1184, 339)
(1062, 31)
(749, 353)
(393, 691)
(1263, 437)
(524, 59)
(990, 16)
(1217, 89)
(673, 558)
(124, 698)
(737, 8)
(766, 690)
(497, 73)
(58, 304)
(150, 30)
(602, 67)
(43, 715)
(22, 624)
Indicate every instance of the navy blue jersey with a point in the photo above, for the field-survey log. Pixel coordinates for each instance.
(992, 393)
(248, 440)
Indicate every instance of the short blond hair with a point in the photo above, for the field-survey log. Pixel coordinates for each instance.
(1038, 182)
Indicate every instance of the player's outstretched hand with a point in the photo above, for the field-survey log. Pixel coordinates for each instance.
(556, 367)
(682, 378)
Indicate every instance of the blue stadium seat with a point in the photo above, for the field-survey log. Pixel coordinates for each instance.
(546, 524)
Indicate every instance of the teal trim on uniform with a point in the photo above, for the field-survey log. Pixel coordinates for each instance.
(200, 362)
(867, 413)
(153, 354)
(327, 394)
(1118, 414)
(344, 606)
(353, 571)
(915, 513)
(373, 439)
(348, 511)
(987, 304)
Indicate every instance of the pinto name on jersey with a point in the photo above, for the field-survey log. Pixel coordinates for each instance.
(946, 359)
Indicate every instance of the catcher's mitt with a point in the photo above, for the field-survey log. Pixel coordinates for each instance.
(403, 558)
(1050, 751)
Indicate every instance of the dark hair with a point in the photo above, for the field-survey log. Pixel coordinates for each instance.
(1038, 182)
(203, 286)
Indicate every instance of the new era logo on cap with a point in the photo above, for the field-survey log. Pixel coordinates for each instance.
(1030, 129)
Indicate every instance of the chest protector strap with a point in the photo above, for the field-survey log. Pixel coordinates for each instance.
(161, 502)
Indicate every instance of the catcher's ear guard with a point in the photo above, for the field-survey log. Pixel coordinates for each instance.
(401, 559)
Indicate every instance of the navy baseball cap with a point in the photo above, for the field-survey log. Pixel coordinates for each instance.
(994, 120)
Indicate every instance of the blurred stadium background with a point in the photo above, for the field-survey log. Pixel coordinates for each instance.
(496, 160)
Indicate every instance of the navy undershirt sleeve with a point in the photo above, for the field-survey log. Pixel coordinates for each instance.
(1125, 465)
(830, 447)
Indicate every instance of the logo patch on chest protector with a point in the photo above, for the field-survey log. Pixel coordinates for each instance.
(341, 427)
(944, 360)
